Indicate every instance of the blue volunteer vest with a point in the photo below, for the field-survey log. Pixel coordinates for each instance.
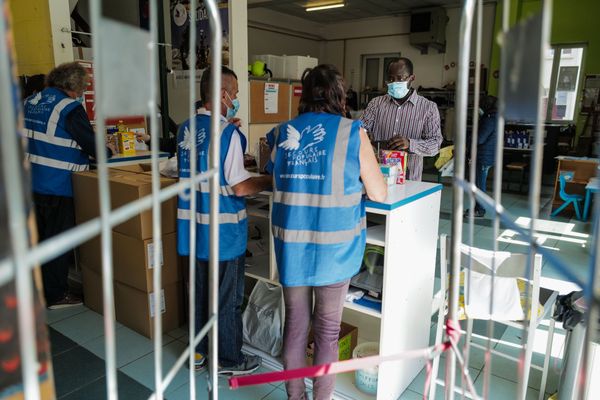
(52, 152)
(233, 222)
(318, 216)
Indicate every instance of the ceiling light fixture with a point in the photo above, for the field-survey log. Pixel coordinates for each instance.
(325, 7)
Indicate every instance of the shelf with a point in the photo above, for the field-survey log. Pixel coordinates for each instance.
(376, 235)
(258, 206)
(362, 309)
(257, 212)
(257, 267)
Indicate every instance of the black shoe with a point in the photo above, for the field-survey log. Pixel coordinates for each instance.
(68, 301)
(249, 364)
(477, 214)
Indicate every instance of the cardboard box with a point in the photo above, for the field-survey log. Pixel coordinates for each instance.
(346, 343)
(134, 308)
(398, 158)
(125, 187)
(135, 168)
(92, 289)
(390, 173)
(133, 260)
(126, 143)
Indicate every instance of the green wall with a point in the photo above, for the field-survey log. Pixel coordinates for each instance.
(573, 21)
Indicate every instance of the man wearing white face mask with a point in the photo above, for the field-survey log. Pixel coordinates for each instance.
(403, 119)
(235, 183)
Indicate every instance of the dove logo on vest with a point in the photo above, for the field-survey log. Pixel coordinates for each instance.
(301, 147)
(186, 145)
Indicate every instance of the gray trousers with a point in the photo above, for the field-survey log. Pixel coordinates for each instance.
(326, 319)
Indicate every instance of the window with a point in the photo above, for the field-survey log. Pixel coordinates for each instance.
(561, 81)
(374, 67)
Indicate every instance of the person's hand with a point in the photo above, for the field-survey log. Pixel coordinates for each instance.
(236, 121)
(142, 137)
(399, 143)
(112, 147)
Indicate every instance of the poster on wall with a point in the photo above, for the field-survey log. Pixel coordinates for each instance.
(567, 79)
(181, 16)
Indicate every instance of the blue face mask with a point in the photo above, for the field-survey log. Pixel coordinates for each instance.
(398, 89)
(235, 106)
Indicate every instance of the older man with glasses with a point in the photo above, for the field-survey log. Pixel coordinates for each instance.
(403, 119)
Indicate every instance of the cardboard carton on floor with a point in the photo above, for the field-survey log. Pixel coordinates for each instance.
(92, 289)
(346, 343)
(133, 260)
(125, 187)
(135, 308)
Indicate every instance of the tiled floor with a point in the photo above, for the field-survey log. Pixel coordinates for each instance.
(78, 338)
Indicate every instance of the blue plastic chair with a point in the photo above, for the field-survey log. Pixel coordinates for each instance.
(565, 177)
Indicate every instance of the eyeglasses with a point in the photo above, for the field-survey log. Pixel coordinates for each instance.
(397, 78)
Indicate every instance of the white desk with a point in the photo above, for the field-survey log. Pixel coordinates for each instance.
(408, 229)
(140, 157)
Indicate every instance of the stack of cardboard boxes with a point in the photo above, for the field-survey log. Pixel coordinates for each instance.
(132, 245)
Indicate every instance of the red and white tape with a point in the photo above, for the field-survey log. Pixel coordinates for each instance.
(452, 331)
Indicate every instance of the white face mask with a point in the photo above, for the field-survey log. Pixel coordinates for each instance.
(398, 89)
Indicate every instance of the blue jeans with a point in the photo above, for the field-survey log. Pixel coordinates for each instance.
(481, 173)
(231, 295)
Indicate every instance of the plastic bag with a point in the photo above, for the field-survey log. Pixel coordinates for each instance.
(168, 168)
(263, 318)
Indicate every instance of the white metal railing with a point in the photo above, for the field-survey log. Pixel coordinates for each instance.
(500, 214)
(24, 258)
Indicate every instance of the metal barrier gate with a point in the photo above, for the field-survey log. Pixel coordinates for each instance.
(24, 258)
(472, 9)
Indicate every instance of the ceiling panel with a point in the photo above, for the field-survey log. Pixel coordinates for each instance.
(354, 9)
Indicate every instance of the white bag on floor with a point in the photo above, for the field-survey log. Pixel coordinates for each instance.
(263, 318)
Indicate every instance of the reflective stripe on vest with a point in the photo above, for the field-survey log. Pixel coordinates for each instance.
(55, 116)
(224, 218)
(50, 162)
(204, 187)
(318, 237)
(55, 140)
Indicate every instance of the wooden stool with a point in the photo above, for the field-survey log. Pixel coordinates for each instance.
(520, 167)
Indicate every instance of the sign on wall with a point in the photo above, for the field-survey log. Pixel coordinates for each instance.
(180, 34)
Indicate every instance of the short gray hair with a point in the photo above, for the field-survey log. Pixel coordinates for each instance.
(68, 77)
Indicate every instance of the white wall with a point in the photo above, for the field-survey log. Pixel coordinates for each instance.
(261, 41)
(271, 32)
(368, 36)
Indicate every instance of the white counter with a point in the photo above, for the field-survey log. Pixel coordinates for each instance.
(406, 224)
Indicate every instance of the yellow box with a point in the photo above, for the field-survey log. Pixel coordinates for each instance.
(126, 141)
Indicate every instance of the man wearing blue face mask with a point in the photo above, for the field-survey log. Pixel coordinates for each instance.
(403, 119)
(235, 183)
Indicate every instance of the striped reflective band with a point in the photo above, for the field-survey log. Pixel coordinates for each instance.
(55, 140)
(204, 187)
(317, 200)
(339, 157)
(305, 236)
(49, 162)
(224, 218)
(55, 116)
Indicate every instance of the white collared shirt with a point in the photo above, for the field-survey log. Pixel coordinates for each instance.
(233, 167)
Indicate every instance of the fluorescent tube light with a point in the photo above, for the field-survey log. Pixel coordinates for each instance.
(319, 8)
